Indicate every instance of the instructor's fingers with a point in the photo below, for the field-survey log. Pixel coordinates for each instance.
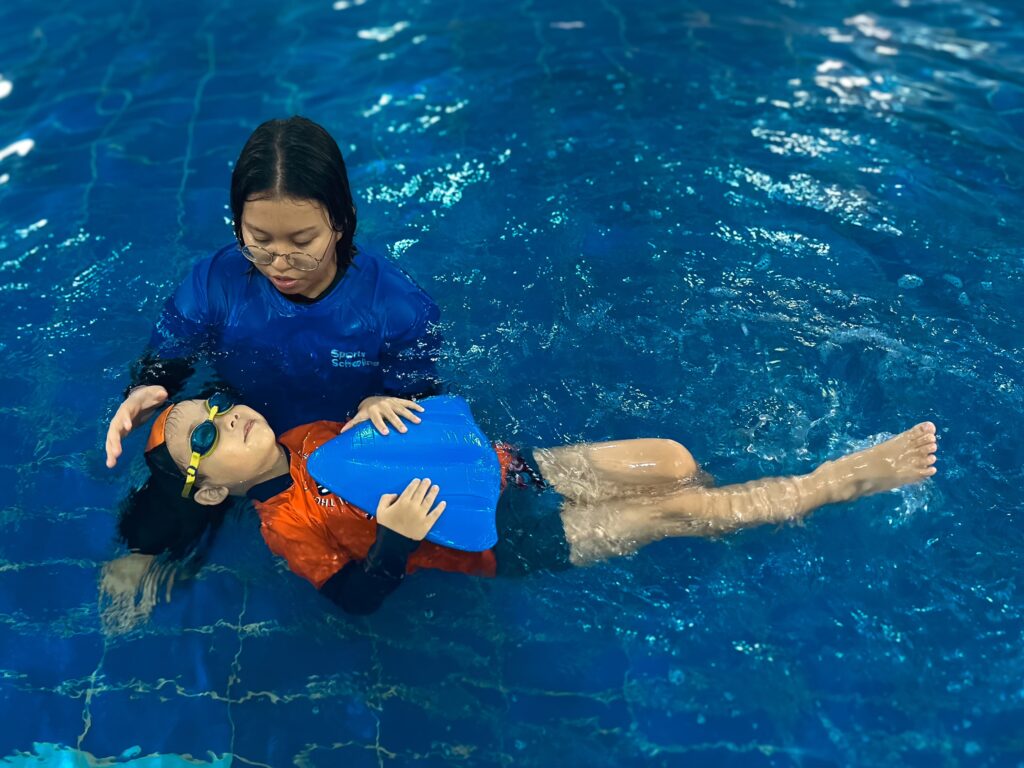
(155, 396)
(406, 413)
(396, 422)
(113, 444)
(438, 509)
(378, 422)
(113, 453)
(127, 411)
(357, 419)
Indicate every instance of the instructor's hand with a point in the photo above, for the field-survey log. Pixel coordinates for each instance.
(133, 411)
(385, 409)
(410, 514)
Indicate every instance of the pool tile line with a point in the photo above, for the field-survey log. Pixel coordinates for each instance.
(211, 68)
(114, 119)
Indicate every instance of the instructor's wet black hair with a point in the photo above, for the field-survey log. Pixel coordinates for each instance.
(296, 158)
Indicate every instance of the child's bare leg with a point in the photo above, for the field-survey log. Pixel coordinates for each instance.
(590, 472)
(617, 527)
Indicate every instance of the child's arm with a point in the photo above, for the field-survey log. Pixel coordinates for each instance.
(402, 521)
(362, 585)
(357, 586)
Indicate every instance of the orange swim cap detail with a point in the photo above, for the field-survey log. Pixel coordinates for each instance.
(156, 434)
(505, 455)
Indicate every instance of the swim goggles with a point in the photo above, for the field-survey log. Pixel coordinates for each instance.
(203, 439)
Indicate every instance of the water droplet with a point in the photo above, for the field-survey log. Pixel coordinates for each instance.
(910, 281)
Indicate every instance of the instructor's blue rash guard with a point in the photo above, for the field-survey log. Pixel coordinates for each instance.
(374, 332)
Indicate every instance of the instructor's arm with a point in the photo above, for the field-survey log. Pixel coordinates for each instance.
(185, 329)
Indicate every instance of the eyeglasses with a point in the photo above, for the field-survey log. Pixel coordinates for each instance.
(204, 438)
(299, 260)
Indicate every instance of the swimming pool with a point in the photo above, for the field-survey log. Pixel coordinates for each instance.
(772, 231)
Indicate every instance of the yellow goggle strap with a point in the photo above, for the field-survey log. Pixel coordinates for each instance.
(190, 475)
(193, 462)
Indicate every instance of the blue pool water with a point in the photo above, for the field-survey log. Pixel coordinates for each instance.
(771, 229)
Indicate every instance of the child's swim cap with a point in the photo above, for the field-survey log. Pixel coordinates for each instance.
(158, 456)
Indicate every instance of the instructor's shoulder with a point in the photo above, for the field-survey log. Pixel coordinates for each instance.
(226, 262)
(401, 306)
(223, 275)
(394, 284)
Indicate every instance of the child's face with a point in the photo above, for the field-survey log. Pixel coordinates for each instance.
(245, 447)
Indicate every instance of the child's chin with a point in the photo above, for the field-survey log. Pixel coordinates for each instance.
(262, 437)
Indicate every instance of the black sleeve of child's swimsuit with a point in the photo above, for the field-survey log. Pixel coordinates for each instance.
(361, 586)
(171, 374)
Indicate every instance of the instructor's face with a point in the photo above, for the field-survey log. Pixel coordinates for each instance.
(283, 226)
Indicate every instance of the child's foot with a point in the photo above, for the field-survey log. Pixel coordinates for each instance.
(906, 458)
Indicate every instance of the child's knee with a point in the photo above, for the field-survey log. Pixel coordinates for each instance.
(597, 532)
(679, 459)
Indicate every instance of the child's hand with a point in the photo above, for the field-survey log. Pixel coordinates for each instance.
(380, 409)
(137, 407)
(410, 514)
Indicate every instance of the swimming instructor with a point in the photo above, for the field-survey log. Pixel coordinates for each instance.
(293, 316)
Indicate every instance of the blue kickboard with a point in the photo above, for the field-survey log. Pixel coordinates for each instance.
(362, 465)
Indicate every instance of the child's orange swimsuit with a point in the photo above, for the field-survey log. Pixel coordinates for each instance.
(338, 547)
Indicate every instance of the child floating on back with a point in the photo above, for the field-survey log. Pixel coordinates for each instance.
(561, 507)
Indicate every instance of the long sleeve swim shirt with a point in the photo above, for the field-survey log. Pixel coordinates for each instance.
(335, 545)
(373, 333)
